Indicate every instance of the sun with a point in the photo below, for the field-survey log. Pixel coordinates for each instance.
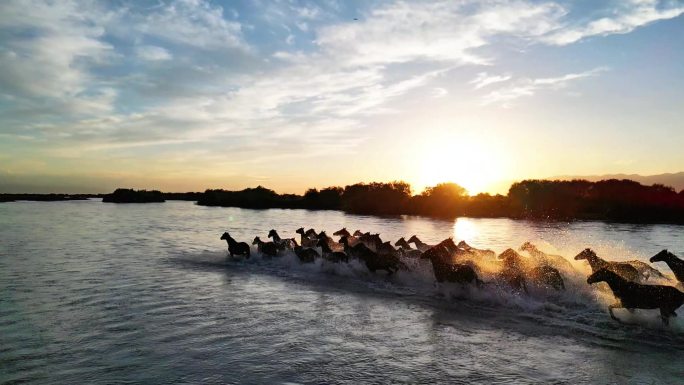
(467, 162)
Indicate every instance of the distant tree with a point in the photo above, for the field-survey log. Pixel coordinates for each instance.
(377, 198)
(442, 200)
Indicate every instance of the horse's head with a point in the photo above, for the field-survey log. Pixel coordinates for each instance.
(300, 231)
(402, 243)
(256, 241)
(662, 256)
(585, 254)
(272, 234)
(602, 275)
(225, 236)
(342, 231)
(511, 258)
(413, 239)
(358, 233)
(527, 246)
(322, 235)
(449, 244)
(464, 245)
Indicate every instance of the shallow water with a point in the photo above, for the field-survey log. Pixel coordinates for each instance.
(106, 293)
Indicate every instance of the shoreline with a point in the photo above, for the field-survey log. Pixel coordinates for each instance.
(87, 197)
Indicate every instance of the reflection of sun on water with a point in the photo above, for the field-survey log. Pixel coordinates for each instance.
(465, 229)
(467, 162)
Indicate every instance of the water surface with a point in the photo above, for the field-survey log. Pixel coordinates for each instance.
(107, 293)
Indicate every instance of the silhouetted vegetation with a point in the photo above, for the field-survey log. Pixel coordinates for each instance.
(329, 198)
(377, 198)
(253, 198)
(126, 195)
(617, 200)
(614, 200)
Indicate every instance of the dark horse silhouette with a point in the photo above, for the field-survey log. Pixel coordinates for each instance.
(623, 269)
(329, 254)
(391, 264)
(444, 269)
(517, 270)
(266, 248)
(235, 247)
(675, 264)
(632, 295)
(306, 255)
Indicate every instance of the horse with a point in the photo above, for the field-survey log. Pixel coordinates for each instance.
(235, 247)
(623, 269)
(419, 244)
(373, 261)
(266, 248)
(513, 270)
(675, 264)
(557, 261)
(403, 244)
(342, 232)
(445, 270)
(478, 252)
(330, 255)
(306, 255)
(632, 295)
(283, 244)
(387, 249)
(540, 273)
(308, 237)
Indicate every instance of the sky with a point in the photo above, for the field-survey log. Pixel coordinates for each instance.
(184, 95)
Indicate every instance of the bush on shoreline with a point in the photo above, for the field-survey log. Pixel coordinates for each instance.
(126, 195)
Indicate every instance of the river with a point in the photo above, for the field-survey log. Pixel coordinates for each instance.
(143, 293)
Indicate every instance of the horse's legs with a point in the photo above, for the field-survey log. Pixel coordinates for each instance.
(610, 310)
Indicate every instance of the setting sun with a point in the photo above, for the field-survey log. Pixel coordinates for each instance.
(465, 161)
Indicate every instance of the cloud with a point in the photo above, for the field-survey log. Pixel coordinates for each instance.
(196, 23)
(434, 31)
(528, 87)
(47, 52)
(483, 80)
(299, 79)
(628, 16)
(153, 53)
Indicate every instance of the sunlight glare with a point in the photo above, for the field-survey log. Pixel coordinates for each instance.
(465, 161)
(465, 229)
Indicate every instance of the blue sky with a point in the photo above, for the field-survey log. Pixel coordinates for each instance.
(190, 94)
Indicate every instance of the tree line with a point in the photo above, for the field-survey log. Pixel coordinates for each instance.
(614, 200)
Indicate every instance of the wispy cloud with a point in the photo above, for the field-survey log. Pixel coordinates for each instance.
(92, 75)
(528, 87)
(627, 16)
(153, 53)
(483, 79)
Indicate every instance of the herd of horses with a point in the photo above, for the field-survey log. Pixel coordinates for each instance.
(464, 264)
